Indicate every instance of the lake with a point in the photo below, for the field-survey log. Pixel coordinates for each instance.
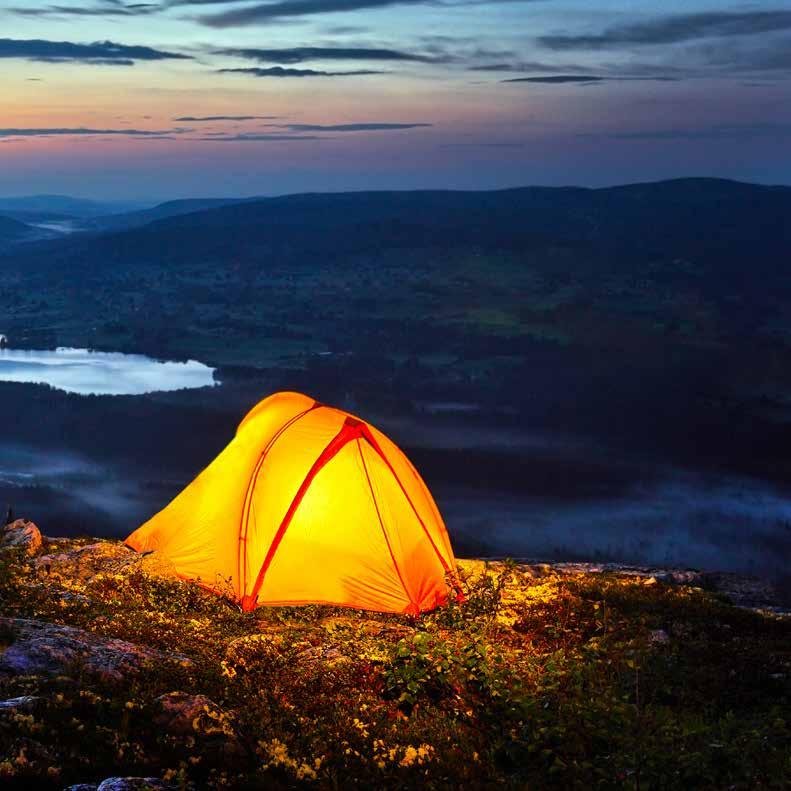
(85, 372)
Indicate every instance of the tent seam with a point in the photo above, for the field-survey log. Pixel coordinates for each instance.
(241, 553)
(382, 525)
(375, 445)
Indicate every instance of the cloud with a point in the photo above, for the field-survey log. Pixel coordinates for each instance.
(586, 79)
(346, 30)
(97, 53)
(765, 54)
(559, 79)
(534, 66)
(675, 29)
(285, 9)
(278, 71)
(360, 127)
(200, 119)
(293, 55)
(82, 131)
(253, 138)
(300, 131)
(93, 62)
(112, 8)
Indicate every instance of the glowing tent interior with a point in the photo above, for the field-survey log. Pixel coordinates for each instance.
(308, 504)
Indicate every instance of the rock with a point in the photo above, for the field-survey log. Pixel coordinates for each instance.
(326, 655)
(658, 637)
(185, 715)
(21, 534)
(24, 703)
(124, 784)
(82, 563)
(37, 647)
(106, 557)
(749, 592)
(182, 715)
(681, 577)
(133, 784)
(70, 597)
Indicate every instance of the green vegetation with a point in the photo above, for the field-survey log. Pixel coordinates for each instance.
(537, 681)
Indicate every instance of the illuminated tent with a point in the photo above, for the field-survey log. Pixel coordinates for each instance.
(307, 504)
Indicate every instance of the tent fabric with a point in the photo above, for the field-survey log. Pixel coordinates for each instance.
(308, 504)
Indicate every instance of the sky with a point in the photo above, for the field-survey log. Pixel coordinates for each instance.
(162, 99)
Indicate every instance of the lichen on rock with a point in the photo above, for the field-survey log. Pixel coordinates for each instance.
(41, 648)
(21, 534)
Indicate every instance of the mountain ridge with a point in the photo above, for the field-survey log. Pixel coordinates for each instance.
(709, 222)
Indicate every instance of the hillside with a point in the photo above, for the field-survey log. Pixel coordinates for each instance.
(569, 309)
(547, 677)
(697, 225)
(64, 205)
(32, 216)
(13, 231)
(135, 219)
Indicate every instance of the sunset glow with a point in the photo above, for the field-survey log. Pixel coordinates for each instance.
(453, 94)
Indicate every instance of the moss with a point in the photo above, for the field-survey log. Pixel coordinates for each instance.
(538, 680)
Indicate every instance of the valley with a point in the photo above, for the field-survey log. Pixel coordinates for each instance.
(645, 357)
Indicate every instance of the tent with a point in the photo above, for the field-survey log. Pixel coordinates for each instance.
(308, 504)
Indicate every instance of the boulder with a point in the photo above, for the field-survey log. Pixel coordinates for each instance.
(658, 637)
(680, 577)
(134, 784)
(82, 563)
(21, 534)
(107, 557)
(182, 715)
(24, 703)
(37, 647)
(124, 784)
(325, 655)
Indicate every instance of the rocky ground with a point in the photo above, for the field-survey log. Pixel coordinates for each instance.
(116, 675)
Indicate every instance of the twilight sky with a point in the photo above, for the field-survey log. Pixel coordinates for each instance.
(158, 99)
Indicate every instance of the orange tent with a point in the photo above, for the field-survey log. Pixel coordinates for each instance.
(308, 504)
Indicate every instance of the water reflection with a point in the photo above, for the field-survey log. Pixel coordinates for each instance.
(101, 373)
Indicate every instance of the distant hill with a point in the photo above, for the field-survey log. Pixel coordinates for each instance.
(31, 217)
(12, 231)
(135, 219)
(677, 227)
(65, 205)
(576, 309)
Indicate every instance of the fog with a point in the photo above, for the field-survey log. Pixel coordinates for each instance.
(69, 494)
(501, 494)
(723, 524)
